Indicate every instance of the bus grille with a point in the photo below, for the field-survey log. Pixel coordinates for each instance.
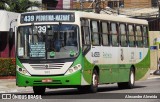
(54, 82)
(48, 66)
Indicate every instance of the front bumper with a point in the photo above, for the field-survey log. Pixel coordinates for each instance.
(59, 81)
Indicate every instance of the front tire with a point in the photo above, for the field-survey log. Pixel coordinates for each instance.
(39, 90)
(94, 84)
(130, 83)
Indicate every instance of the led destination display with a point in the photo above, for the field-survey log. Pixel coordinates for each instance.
(47, 17)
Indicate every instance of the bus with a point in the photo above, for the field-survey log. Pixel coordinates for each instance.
(76, 49)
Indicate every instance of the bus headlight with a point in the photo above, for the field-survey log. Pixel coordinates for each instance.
(22, 70)
(73, 69)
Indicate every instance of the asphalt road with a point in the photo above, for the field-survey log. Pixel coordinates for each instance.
(144, 91)
(150, 87)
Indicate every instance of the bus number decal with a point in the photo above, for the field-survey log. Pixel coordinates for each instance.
(140, 55)
(122, 55)
(41, 29)
(95, 54)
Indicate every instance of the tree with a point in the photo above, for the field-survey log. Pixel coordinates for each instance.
(20, 5)
(2, 5)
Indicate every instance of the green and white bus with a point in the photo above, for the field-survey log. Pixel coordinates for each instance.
(61, 49)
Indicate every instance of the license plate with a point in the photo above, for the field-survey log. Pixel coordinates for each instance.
(47, 80)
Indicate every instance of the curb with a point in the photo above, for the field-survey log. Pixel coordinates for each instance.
(153, 77)
(7, 77)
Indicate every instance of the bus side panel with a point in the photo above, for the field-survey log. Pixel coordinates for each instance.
(105, 74)
(114, 73)
(143, 66)
(112, 68)
(126, 59)
(108, 74)
(124, 73)
(87, 72)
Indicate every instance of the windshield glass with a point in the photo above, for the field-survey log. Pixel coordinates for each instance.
(47, 41)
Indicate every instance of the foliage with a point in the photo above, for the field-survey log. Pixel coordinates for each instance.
(7, 67)
(18, 5)
(2, 4)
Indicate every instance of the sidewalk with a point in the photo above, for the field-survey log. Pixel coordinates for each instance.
(152, 76)
(9, 85)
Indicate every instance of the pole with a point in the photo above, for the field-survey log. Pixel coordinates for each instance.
(10, 36)
(118, 7)
(159, 8)
(97, 6)
(81, 5)
(157, 72)
(157, 57)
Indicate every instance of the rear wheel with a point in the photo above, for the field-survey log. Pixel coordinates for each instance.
(39, 90)
(130, 83)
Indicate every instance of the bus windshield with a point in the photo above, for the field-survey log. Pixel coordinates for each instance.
(48, 41)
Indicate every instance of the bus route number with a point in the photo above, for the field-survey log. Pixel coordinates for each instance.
(28, 18)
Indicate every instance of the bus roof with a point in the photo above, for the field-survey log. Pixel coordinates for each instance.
(92, 15)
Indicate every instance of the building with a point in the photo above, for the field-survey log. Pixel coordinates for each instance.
(137, 3)
(7, 45)
(54, 4)
(119, 3)
(78, 4)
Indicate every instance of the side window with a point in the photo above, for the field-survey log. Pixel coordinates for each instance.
(85, 32)
(131, 35)
(105, 33)
(123, 37)
(145, 36)
(95, 34)
(139, 36)
(114, 34)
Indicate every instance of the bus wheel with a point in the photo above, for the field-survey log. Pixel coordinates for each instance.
(130, 83)
(94, 84)
(39, 90)
(90, 88)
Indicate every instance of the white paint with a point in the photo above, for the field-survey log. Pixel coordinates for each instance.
(131, 55)
(5, 19)
(47, 71)
(83, 81)
(66, 4)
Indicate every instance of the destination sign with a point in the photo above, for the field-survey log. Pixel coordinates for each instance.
(47, 17)
(37, 50)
